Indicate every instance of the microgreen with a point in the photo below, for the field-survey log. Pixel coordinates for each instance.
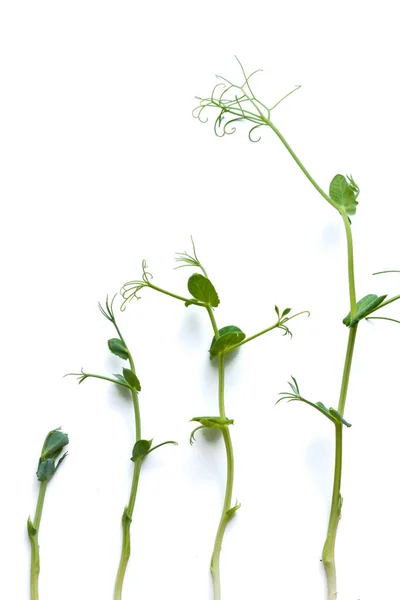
(49, 462)
(127, 379)
(237, 103)
(224, 341)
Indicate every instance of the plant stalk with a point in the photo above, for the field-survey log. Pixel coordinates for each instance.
(128, 511)
(33, 536)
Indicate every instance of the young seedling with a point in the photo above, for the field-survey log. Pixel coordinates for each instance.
(225, 340)
(142, 448)
(237, 103)
(49, 462)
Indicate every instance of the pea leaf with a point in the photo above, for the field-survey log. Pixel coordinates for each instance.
(31, 529)
(338, 417)
(46, 469)
(132, 379)
(202, 289)
(229, 336)
(117, 347)
(140, 449)
(126, 520)
(344, 191)
(121, 379)
(364, 307)
(231, 512)
(54, 443)
(213, 421)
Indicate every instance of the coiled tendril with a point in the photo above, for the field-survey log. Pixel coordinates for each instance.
(130, 289)
(239, 102)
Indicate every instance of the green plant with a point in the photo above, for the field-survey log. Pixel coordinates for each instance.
(237, 103)
(142, 448)
(224, 341)
(49, 462)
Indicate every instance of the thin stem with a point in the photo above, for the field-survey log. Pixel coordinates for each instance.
(226, 514)
(328, 553)
(126, 525)
(253, 337)
(300, 164)
(33, 536)
(350, 265)
(128, 511)
(158, 289)
(347, 368)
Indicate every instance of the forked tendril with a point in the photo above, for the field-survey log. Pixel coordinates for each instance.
(239, 102)
(130, 289)
(188, 260)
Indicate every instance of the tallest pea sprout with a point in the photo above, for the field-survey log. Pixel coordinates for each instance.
(235, 103)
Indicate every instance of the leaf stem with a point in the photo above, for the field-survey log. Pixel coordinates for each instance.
(300, 164)
(253, 337)
(33, 536)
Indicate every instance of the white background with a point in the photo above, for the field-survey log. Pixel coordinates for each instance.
(102, 166)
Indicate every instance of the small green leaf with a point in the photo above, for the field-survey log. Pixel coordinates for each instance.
(286, 312)
(140, 449)
(277, 311)
(46, 469)
(213, 421)
(202, 289)
(338, 417)
(132, 379)
(54, 443)
(231, 512)
(126, 520)
(117, 347)
(31, 529)
(344, 192)
(364, 307)
(121, 379)
(229, 336)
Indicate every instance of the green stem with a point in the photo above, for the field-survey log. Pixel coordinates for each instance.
(33, 536)
(226, 514)
(328, 552)
(158, 289)
(252, 337)
(126, 525)
(300, 164)
(128, 511)
(350, 265)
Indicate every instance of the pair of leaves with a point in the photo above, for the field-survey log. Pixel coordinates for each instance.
(129, 378)
(331, 413)
(53, 445)
(365, 306)
(344, 192)
(202, 289)
(143, 447)
(229, 337)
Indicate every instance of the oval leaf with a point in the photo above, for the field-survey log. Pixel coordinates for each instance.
(46, 469)
(344, 192)
(364, 307)
(54, 443)
(229, 336)
(213, 421)
(140, 449)
(202, 289)
(132, 379)
(117, 347)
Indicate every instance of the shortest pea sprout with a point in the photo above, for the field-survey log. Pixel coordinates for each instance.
(49, 463)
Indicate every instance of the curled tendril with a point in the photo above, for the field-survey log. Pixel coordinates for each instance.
(238, 101)
(130, 289)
